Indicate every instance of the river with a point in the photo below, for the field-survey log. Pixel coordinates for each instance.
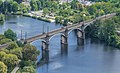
(92, 57)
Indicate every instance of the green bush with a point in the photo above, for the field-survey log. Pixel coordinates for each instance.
(2, 36)
(2, 17)
(6, 40)
(10, 34)
(12, 45)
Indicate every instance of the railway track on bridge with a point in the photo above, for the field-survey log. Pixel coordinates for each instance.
(69, 27)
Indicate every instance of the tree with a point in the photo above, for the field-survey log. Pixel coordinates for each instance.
(12, 45)
(2, 54)
(30, 53)
(18, 1)
(118, 13)
(65, 22)
(25, 63)
(15, 6)
(34, 5)
(58, 20)
(24, 8)
(4, 41)
(8, 6)
(10, 34)
(92, 9)
(74, 4)
(45, 11)
(10, 60)
(2, 17)
(1, 1)
(3, 67)
(28, 69)
(17, 52)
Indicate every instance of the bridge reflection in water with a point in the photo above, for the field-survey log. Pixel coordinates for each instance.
(64, 43)
(64, 31)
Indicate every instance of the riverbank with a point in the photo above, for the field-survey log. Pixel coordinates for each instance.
(106, 30)
(37, 16)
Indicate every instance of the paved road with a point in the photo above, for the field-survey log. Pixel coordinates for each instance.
(3, 46)
(15, 69)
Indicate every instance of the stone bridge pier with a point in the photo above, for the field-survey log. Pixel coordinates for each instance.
(64, 42)
(45, 49)
(80, 37)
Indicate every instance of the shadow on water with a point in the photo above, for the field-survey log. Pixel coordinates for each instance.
(12, 22)
(63, 52)
(1, 23)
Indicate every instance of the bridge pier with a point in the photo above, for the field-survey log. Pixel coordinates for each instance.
(64, 42)
(64, 37)
(45, 49)
(80, 37)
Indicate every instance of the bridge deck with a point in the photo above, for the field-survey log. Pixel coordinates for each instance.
(69, 27)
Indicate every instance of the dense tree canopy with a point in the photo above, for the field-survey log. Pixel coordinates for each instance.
(3, 67)
(9, 59)
(30, 53)
(10, 34)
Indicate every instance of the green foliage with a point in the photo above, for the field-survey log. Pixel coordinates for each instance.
(12, 45)
(34, 5)
(105, 30)
(4, 41)
(25, 63)
(74, 4)
(10, 35)
(24, 8)
(17, 52)
(15, 6)
(58, 19)
(28, 69)
(45, 11)
(2, 17)
(65, 23)
(118, 13)
(3, 67)
(30, 53)
(2, 54)
(9, 59)
(20, 44)
(2, 37)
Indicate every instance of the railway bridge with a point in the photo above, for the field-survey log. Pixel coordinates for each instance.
(64, 31)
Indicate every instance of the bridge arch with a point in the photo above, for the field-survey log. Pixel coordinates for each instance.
(75, 29)
(54, 36)
(86, 26)
(37, 40)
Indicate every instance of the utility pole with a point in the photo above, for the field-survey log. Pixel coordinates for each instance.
(25, 35)
(21, 34)
(43, 29)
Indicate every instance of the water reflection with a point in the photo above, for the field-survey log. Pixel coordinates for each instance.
(92, 57)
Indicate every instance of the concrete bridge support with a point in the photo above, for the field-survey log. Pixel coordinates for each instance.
(45, 49)
(80, 37)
